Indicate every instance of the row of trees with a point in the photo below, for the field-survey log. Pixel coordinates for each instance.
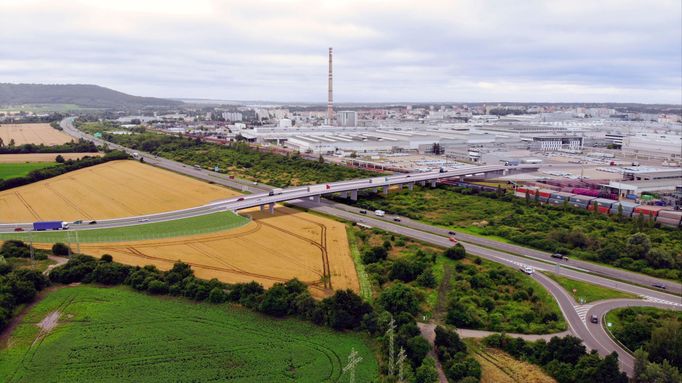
(80, 146)
(67, 166)
(566, 359)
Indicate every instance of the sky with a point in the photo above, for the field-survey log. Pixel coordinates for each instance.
(384, 50)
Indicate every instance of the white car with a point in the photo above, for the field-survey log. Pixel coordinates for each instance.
(143, 220)
(527, 269)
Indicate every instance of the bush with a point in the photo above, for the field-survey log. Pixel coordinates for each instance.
(60, 249)
(375, 254)
(456, 252)
(157, 287)
(399, 298)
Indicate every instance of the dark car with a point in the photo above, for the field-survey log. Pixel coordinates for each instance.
(594, 319)
(240, 199)
(18, 229)
(451, 233)
(559, 256)
(396, 219)
(92, 223)
(363, 211)
(659, 286)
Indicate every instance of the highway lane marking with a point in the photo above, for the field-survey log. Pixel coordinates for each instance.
(582, 311)
(658, 300)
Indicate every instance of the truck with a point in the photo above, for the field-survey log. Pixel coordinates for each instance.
(50, 225)
(275, 191)
(318, 188)
(377, 180)
(379, 213)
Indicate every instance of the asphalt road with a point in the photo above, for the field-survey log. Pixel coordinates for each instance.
(577, 316)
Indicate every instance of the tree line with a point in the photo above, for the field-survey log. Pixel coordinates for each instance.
(67, 166)
(80, 146)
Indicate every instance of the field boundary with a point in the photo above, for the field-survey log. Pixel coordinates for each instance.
(363, 279)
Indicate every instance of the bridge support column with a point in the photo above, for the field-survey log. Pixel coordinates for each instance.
(316, 198)
(375, 190)
(422, 183)
(385, 189)
(433, 183)
(410, 186)
(354, 195)
(272, 207)
(262, 207)
(343, 194)
(400, 186)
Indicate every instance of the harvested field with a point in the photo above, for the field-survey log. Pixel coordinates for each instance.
(272, 248)
(33, 134)
(111, 190)
(499, 367)
(42, 157)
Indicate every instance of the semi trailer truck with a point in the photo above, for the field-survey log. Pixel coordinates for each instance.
(50, 225)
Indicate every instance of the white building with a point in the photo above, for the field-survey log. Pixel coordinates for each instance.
(232, 116)
(347, 118)
(557, 143)
(285, 123)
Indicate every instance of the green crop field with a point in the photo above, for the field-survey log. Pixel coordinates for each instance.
(117, 335)
(14, 170)
(587, 291)
(188, 226)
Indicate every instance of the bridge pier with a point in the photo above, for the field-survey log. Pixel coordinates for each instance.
(354, 195)
(343, 194)
(272, 207)
(262, 207)
(410, 186)
(316, 198)
(422, 183)
(433, 183)
(385, 189)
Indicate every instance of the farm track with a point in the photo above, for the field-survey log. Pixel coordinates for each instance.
(27, 205)
(67, 201)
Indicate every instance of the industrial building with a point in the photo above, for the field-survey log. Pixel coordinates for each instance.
(551, 143)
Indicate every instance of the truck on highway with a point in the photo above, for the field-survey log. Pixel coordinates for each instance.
(377, 180)
(50, 225)
(379, 213)
(275, 191)
(318, 188)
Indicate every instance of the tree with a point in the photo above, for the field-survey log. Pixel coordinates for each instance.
(426, 373)
(375, 254)
(417, 349)
(344, 310)
(399, 298)
(638, 246)
(157, 287)
(60, 249)
(11, 143)
(455, 252)
(59, 159)
(641, 361)
(666, 343)
(2, 143)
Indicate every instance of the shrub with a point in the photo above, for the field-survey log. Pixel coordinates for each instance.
(456, 252)
(60, 249)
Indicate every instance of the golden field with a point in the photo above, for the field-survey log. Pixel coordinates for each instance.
(499, 367)
(270, 249)
(42, 157)
(33, 134)
(111, 190)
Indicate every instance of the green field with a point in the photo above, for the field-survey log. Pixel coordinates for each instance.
(587, 291)
(117, 335)
(189, 226)
(14, 170)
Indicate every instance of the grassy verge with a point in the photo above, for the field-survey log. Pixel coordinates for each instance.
(116, 334)
(188, 226)
(14, 170)
(587, 291)
(363, 278)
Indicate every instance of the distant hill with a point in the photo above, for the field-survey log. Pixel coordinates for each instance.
(88, 96)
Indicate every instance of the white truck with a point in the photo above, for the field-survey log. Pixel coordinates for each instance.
(377, 180)
(275, 191)
(318, 188)
(379, 213)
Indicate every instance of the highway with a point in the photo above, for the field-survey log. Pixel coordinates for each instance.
(512, 255)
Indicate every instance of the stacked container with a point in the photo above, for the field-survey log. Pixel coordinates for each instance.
(669, 218)
(628, 208)
(603, 205)
(580, 201)
(648, 212)
(558, 198)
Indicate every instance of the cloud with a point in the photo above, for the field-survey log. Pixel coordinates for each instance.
(385, 50)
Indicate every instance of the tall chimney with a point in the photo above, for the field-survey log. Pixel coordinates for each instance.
(330, 97)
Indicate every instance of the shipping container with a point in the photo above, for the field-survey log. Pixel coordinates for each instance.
(670, 222)
(672, 214)
(648, 210)
(582, 199)
(561, 195)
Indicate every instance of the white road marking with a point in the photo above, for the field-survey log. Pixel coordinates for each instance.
(582, 311)
(662, 301)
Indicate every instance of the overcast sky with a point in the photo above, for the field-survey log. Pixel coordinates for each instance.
(385, 50)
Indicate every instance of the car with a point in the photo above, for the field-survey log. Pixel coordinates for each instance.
(79, 222)
(594, 318)
(527, 269)
(240, 199)
(18, 229)
(92, 223)
(559, 256)
(396, 219)
(230, 177)
(363, 211)
(451, 233)
(660, 286)
(143, 220)
(408, 176)
(453, 240)
(255, 182)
